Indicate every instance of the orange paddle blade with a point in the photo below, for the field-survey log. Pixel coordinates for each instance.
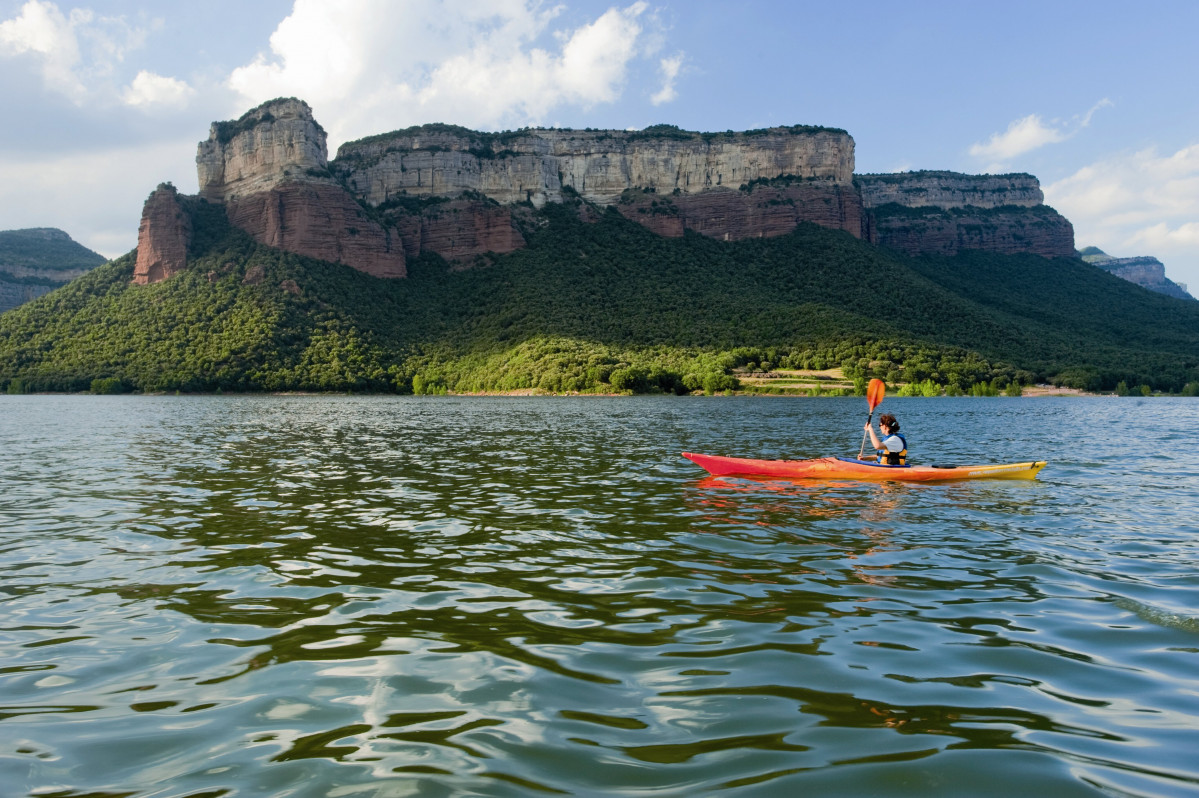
(875, 392)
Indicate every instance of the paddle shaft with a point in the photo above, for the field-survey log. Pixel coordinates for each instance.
(862, 451)
(874, 396)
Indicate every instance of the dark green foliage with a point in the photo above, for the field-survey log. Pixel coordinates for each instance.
(226, 131)
(602, 307)
(782, 181)
(894, 210)
(903, 177)
(44, 248)
(484, 144)
(1072, 321)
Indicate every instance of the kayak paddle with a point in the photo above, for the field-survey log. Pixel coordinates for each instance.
(874, 394)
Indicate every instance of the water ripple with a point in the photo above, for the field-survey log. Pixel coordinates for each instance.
(379, 596)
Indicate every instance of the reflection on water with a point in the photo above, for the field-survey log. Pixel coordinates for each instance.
(381, 596)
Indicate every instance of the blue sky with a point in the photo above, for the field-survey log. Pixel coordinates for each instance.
(103, 100)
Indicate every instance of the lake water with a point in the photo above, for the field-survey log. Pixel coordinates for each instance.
(374, 596)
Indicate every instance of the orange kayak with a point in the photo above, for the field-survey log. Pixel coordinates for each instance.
(850, 468)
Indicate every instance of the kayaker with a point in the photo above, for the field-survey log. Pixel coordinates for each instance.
(893, 448)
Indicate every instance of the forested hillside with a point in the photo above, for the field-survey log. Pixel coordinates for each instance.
(596, 307)
(35, 261)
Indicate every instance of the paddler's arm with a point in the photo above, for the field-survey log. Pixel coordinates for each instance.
(873, 438)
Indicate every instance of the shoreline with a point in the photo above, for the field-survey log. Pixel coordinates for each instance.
(1033, 392)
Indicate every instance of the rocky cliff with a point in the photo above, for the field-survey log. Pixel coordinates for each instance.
(700, 173)
(319, 220)
(163, 237)
(949, 190)
(271, 144)
(270, 170)
(750, 212)
(942, 213)
(535, 165)
(1145, 271)
(457, 192)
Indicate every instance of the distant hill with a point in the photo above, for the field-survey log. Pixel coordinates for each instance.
(595, 302)
(1145, 271)
(35, 261)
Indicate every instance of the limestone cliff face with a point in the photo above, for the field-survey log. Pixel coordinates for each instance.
(942, 213)
(453, 191)
(697, 174)
(949, 190)
(535, 165)
(273, 143)
(163, 237)
(1147, 272)
(270, 170)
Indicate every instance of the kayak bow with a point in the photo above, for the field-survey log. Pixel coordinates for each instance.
(850, 468)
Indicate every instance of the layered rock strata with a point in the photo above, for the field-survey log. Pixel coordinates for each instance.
(942, 213)
(459, 230)
(163, 237)
(271, 144)
(760, 212)
(700, 173)
(270, 169)
(452, 191)
(320, 221)
(535, 165)
(1010, 231)
(949, 190)
(1147, 272)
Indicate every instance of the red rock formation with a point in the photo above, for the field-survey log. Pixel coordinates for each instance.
(320, 220)
(162, 237)
(1038, 231)
(460, 229)
(764, 212)
(269, 168)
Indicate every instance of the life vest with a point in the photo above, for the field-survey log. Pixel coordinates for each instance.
(894, 458)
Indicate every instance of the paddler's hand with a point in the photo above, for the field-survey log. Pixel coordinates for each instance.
(867, 427)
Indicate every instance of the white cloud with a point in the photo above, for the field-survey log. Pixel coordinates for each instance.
(76, 51)
(148, 89)
(1104, 103)
(1021, 136)
(1140, 203)
(670, 71)
(372, 65)
(96, 197)
(1161, 237)
(1030, 133)
(42, 29)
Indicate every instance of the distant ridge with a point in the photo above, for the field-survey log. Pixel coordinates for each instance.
(1144, 270)
(36, 260)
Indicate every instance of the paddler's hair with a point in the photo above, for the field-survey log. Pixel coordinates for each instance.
(888, 420)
